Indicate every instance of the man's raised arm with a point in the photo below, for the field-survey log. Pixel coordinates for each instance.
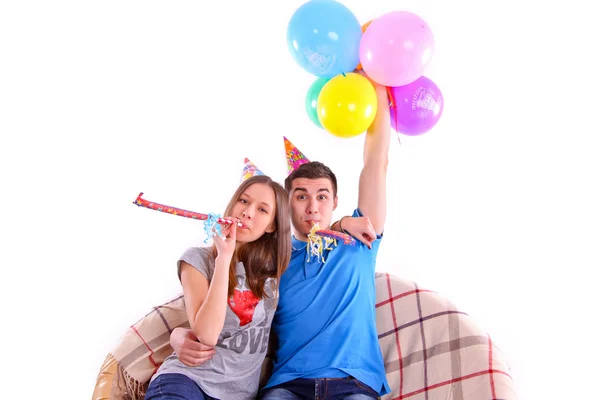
(372, 184)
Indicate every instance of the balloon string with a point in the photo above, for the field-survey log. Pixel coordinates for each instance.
(393, 105)
(390, 96)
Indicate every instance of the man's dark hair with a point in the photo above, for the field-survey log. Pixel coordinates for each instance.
(312, 170)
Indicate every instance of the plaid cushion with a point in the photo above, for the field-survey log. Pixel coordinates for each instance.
(431, 350)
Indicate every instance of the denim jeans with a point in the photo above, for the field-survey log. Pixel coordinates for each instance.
(175, 387)
(320, 389)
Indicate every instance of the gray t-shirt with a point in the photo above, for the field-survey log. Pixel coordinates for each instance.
(233, 373)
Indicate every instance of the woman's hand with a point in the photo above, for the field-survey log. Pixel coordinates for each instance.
(359, 227)
(226, 245)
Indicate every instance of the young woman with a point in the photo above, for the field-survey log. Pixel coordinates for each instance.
(231, 292)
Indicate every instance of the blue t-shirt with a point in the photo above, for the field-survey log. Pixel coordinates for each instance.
(325, 320)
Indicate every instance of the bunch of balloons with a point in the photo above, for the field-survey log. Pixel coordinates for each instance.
(393, 50)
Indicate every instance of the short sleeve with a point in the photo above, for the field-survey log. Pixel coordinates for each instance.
(200, 258)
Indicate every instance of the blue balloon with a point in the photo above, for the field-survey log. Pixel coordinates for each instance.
(324, 38)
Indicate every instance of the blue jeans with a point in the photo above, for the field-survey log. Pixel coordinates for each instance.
(175, 387)
(320, 389)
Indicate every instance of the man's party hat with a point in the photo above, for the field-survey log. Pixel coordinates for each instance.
(294, 157)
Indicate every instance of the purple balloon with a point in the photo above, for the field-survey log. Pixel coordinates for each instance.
(416, 107)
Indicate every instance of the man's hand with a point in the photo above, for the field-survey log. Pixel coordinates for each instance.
(188, 349)
(381, 90)
(359, 227)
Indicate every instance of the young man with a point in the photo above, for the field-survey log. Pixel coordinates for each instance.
(326, 338)
(324, 325)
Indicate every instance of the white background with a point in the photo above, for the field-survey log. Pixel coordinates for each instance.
(497, 207)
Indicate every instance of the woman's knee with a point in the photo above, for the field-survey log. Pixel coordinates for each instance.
(278, 394)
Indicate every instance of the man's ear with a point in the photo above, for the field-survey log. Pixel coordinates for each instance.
(335, 203)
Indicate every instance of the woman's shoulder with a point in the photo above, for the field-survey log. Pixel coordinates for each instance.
(199, 250)
(198, 255)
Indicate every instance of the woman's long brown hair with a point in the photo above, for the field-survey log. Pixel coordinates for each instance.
(269, 255)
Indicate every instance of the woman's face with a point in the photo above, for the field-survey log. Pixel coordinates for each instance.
(256, 209)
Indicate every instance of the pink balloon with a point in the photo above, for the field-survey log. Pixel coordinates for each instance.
(416, 107)
(396, 48)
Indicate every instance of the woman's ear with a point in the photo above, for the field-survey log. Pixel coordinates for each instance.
(271, 228)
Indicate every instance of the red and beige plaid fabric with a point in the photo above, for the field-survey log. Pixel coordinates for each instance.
(431, 350)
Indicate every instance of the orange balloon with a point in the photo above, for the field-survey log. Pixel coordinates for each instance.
(364, 28)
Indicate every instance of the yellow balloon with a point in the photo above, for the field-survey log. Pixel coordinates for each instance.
(347, 105)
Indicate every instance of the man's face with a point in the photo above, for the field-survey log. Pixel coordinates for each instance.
(311, 201)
